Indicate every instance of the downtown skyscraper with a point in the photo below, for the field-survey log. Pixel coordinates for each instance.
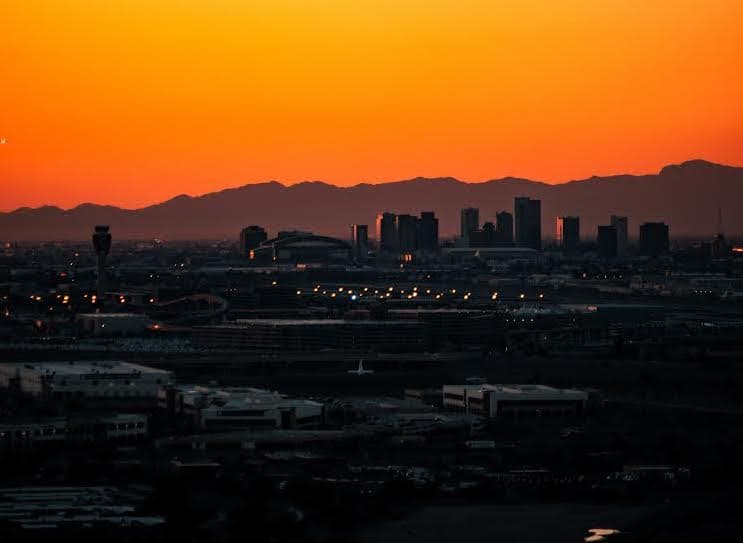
(528, 222)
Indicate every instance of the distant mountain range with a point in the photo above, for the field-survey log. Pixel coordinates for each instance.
(686, 196)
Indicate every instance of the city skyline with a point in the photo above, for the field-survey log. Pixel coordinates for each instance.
(333, 209)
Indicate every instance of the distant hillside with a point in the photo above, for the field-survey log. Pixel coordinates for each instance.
(686, 196)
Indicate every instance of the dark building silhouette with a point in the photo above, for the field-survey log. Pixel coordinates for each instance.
(469, 221)
(101, 245)
(503, 228)
(303, 248)
(387, 233)
(621, 224)
(567, 233)
(360, 241)
(606, 241)
(484, 237)
(250, 238)
(528, 222)
(428, 232)
(654, 239)
(292, 233)
(407, 234)
(719, 245)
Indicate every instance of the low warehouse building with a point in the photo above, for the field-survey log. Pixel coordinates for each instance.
(240, 408)
(85, 379)
(312, 335)
(514, 400)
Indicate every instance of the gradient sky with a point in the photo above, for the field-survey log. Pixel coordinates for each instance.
(129, 102)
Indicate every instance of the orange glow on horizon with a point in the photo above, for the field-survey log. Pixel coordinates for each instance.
(130, 102)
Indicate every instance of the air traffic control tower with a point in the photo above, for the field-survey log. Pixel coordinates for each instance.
(101, 245)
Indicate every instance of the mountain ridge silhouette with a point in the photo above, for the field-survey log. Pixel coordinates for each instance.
(687, 196)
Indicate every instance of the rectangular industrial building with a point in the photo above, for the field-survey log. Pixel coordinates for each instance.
(312, 335)
(240, 407)
(20, 432)
(85, 379)
(513, 400)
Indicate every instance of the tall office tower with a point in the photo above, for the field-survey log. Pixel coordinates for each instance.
(469, 220)
(250, 238)
(101, 245)
(606, 241)
(407, 234)
(528, 222)
(360, 241)
(428, 230)
(504, 228)
(654, 239)
(622, 226)
(387, 233)
(567, 233)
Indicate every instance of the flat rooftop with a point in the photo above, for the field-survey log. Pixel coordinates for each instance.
(442, 310)
(246, 323)
(502, 250)
(520, 390)
(86, 367)
(529, 389)
(111, 315)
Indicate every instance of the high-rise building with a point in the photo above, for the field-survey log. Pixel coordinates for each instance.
(504, 228)
(654, 239)
(606, 241)
(567, 233)
(407, 234)
(101, 245)
(250, 238)
(621, 224)
(528, 222)
(469, 221)
(360, 241)
(387, 233)
(428, 234)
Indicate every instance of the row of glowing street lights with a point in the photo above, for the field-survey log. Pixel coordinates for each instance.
(65, 299)
(382, 294)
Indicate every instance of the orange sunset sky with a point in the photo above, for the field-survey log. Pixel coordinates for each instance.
(130, 102)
